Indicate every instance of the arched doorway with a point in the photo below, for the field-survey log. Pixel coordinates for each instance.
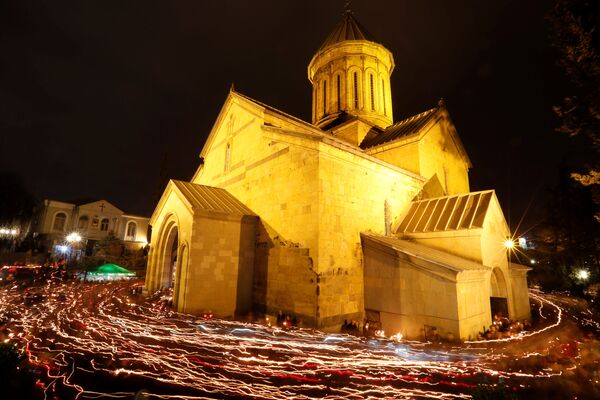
(170, 262)
(498, 294)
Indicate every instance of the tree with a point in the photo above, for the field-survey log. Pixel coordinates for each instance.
(16, 203)
(568, 238)
(576, 39)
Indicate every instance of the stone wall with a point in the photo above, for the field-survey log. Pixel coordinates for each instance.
(221, 264)
(353, 192)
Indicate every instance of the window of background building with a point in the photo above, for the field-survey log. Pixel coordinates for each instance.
(60, 220)
(131, 229)
(84, 220)
(104, 224)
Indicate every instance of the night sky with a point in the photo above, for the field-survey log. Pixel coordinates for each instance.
(102, 99)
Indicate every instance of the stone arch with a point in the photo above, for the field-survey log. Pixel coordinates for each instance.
(162, 251)
(169, 260)
(498, 293)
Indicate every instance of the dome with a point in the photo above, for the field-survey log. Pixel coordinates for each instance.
(347, 29)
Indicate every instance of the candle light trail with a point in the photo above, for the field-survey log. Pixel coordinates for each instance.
(99, 340)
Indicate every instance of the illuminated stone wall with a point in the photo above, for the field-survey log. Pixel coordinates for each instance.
(312, 192)
(432, 152)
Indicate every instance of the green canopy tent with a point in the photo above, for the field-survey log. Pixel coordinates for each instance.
(109, 272)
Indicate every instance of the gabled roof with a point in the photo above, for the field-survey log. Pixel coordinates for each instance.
(210, 198)
(449, 213)
(402, 128)
(426, 253)
(347, 29)
(201, 198)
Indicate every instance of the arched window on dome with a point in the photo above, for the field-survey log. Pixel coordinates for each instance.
(372, 84)
(339, 93)
(383, 97)
(324, 97)
(355, 93)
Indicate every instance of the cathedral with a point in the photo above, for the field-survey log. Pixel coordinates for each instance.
(349, 217)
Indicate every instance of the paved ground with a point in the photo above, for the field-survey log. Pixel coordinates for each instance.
(102, 341)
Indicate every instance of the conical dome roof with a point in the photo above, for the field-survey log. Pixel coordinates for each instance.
(347, 29)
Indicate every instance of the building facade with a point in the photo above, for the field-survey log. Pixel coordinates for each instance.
(93, 221)
(318, 219)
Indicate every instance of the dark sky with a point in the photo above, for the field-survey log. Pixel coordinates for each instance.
(97, 97)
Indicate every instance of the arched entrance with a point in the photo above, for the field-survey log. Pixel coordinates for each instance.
(170, 258)
(498, 294)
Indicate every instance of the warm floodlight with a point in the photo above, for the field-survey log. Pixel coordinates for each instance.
(583, 274)
(532, 261)
(73, 237)
(509, 243)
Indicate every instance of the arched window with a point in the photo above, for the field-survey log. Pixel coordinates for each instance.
(84, 220)
(60, 221)
(104, 224)
(372, 92)
(227, 156)
(324, 97)
(339, 93)
(356, 90)
(383, 96)
(131, 230)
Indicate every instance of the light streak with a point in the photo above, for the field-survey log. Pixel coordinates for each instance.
(101, 330)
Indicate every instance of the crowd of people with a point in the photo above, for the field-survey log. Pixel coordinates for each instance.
(502, 328)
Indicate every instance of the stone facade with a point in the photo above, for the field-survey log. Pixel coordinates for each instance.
(310, 192)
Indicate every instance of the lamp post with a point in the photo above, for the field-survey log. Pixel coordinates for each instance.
(73, 239)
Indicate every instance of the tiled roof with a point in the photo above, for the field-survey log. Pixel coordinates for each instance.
(405, 127)
(448, 213)
(347, 29)
(450, 261)
(211, 198)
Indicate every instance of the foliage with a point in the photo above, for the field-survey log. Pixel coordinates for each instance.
(567, 240)
(113, 250)
(576, 40)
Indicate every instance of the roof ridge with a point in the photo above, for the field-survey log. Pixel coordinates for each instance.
(404, 127)
(260, 103)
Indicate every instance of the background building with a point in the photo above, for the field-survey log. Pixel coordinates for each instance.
(93, 221)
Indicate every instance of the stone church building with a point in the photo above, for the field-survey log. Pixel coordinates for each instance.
(350, 216)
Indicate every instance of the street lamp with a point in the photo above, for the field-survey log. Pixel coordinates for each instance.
(74, 239)
(509, 244)
(583, 274)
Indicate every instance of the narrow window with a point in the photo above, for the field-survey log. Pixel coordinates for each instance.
(324, 97)
(104, 224)
(383, 96)
(339, 91)
(355, 90)
(227, 156)
(372, 92)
